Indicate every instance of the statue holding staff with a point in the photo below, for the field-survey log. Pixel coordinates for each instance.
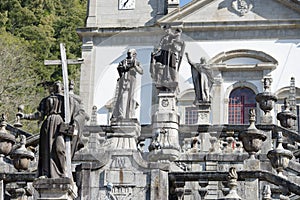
(52, 149)
(125, 101)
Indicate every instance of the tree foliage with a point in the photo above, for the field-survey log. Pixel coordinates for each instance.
(30, 32)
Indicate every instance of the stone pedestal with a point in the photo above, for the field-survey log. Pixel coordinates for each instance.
(124, 134)
(165, 125)
(55, 188)
(203, 113)
(159, 185)
(251, 184)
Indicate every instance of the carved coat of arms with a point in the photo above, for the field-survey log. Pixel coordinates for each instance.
(242, 6)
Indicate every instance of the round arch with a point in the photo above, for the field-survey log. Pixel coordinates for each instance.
(259, 55)
(240, 84)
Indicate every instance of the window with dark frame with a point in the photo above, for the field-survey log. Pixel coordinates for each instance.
(240, 101)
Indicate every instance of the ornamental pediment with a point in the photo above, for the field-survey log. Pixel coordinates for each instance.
(234, 11)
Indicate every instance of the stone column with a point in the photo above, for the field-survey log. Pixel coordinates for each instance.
(165, 123)
(83, 181)
(87, 74)
(251, 184)
(159, 185)
(55, 188)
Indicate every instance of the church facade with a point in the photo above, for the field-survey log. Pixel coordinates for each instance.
(251, 48)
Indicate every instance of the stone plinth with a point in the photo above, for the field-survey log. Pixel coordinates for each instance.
(203, 112)
(165, 125)
(55, 188)
(124, 134)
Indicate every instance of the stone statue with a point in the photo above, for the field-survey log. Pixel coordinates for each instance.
(52, 155)
(125, 102)
(80, 117)
(166, 60)
(202, 79)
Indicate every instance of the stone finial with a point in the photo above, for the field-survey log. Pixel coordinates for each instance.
(267, 81)
(7, 140)
(232, 183)
(286, 117)
(232, 176)
(18, 123)
(280, 157)
(252, 116)
(252, 138)
(267, 192)
(94, 116)
(266, 98)
(21, 156)
(3, 124)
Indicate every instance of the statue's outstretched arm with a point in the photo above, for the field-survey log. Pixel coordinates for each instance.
(188, 59)
(32, 116)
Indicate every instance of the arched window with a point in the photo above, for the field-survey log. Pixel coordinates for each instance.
(240, 101)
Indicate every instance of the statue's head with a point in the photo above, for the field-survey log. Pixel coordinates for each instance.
(202, 60)
(58, 87)
(131, 53)
(71, 85)
(178, 31)
(167, 28)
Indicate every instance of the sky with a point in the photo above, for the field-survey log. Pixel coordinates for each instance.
(183, 2)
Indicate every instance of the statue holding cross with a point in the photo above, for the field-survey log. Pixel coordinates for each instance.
(59, 112)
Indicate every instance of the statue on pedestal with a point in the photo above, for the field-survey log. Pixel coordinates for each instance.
(166, 60)
(125, 101)
(202, 79)
(52, 150)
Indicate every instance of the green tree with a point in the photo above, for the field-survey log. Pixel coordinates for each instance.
(30, 32)
(17, 77)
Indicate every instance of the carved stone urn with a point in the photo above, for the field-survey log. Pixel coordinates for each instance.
(21, 156)
(266, 99)
(252, 138)
(286, 117)
(7, 140)
(280, 157)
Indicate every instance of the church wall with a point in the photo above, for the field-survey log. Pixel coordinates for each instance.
(108, 53)
(106, 76)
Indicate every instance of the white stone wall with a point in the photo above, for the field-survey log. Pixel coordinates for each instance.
(104, 13)
(106, 58)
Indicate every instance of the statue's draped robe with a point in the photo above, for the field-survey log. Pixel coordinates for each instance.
(202, 80)
(165, 56)
(126, 104)
(52, 148)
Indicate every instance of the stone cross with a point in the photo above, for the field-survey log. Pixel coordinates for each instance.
(64, 63)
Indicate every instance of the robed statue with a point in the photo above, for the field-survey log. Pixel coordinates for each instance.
(126, 104)
(202, 79)
(166, 60)
(52, 146)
